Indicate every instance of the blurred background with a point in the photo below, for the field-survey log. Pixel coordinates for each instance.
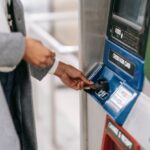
(55, 23)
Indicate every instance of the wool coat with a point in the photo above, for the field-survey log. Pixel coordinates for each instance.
(12, 48)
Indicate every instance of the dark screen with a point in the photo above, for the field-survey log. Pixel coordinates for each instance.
(132, 10)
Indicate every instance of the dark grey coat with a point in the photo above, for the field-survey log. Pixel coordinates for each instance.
(12, 47)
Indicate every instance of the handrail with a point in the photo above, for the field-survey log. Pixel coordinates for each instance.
(52, 16)
(51, 41)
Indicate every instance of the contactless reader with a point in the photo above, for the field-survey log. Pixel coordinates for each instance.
(119, 80)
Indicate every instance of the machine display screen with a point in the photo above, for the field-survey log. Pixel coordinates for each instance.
(132, 10)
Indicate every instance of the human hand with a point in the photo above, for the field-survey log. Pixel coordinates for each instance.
(72, 77)
(37, 54)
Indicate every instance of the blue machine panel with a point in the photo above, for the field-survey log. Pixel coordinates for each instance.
(124, 74)
(124, 62)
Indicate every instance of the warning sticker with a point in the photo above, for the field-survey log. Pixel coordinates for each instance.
(121, 97)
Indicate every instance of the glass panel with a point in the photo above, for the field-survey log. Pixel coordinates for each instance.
(132, 10)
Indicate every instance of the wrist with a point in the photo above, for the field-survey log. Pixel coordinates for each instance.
(60, 69)
(54, 66)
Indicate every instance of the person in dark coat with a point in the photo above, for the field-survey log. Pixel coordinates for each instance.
(20, 56)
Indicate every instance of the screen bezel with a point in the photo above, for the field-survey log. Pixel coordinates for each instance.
(131, 20)
(142, 31)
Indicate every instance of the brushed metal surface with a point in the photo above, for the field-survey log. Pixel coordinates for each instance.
(93, 24)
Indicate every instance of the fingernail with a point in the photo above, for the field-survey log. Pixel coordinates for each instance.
(87, 88)
(91, 82)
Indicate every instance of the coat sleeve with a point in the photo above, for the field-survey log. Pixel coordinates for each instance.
(9, 139)
(12, 48)
(39, 73)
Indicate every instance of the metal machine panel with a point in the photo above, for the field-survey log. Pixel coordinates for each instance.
(93, 23)
(126, 65)
(123, 72)
(120, 97)
(122, 69)
(129, 22)
(96, 124)
(138, 121)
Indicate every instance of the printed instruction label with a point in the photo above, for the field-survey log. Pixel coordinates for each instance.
(121, 97)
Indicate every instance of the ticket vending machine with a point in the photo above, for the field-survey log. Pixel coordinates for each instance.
(120, 79)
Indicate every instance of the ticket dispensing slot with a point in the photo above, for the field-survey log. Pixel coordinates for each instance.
(118, 87)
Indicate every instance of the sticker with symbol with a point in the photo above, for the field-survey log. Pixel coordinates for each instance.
(121, 98)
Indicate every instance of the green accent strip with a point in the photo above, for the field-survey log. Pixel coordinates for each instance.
(147, 58)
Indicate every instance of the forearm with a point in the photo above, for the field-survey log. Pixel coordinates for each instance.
(12, 49)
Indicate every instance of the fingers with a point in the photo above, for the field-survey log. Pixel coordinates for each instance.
(37, 54)
(42, 66)
(49, 53)
(78, 81)
(74, 84)
(47, 62)
(86, 81)
(47, 59)
(80, 85)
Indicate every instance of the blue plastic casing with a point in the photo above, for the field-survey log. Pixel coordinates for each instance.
(135, 81)
(120, 82)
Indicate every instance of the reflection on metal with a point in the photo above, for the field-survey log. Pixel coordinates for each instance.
(53, 112)
(93, 22)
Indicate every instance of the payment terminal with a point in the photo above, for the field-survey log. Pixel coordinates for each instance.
(118, 81)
